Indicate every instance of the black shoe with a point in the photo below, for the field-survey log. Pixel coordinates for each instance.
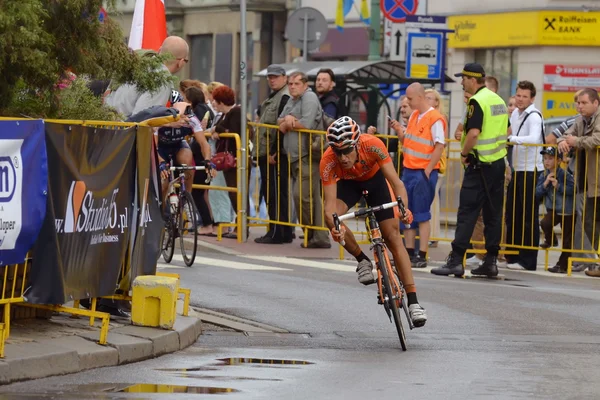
(557, 269)
(453, 266)
(267, 240)
(418, 262)
(489, 267)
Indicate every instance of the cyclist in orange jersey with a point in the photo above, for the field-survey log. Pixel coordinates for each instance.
(354, 163)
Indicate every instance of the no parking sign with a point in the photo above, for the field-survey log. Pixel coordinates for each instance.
(397, 10)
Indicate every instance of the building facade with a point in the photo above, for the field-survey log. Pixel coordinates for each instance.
(554, 44)
(212, 28)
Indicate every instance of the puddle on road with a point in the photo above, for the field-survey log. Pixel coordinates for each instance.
(193, 369)
(224, 378)
(152, 388)
(259, 362)
(264, 361)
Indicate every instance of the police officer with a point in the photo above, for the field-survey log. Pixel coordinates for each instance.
(483, 152)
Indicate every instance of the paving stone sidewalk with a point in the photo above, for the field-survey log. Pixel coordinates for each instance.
(63, 344)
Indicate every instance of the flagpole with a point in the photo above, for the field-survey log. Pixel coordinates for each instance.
(243, 182)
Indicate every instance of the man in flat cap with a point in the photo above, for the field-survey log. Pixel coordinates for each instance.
(272, 159)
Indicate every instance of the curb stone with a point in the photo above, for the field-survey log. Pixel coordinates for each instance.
(27, 359)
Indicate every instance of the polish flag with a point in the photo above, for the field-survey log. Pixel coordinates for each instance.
(149, 26)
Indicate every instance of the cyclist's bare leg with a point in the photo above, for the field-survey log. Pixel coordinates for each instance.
(365, 266)
(185, 157)
(391, 234)
(390, 230)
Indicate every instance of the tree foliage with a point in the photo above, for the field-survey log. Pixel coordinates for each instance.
(42, 39)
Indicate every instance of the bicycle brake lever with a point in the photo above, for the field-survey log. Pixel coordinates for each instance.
(336, 223)
(402, 210)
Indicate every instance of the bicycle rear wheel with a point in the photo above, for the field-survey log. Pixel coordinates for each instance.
(385, 267)
(187, 224)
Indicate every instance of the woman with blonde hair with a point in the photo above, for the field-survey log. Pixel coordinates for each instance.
(434, 99)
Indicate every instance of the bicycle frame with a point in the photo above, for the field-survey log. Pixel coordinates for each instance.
(379, 247)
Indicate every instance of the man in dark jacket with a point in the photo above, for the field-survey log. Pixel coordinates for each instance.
(329, 100)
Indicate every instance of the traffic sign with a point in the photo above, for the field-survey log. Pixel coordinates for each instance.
(570, 78)
(424, 55)
(306, 28)
(416, 22)
(397, 10)
(398, 45)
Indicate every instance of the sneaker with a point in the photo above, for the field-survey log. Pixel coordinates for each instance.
(489, 267)
(473, 261)
(365, 272)
(579, 267)
(453, 266)
(515, 267)
(417, 314)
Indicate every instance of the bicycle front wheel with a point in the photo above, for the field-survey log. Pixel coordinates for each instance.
(187, 224)
(392, 299)
(167, 242)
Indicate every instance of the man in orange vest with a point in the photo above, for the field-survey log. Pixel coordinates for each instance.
(423, 142)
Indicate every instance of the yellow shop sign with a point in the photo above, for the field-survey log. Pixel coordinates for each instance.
(558, 104)
(563, 28)
(529, 28)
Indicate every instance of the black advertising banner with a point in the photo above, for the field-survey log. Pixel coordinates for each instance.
(147, 224)
(85, 237)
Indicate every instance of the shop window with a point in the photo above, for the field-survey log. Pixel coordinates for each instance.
(201, 57)
(502, 64)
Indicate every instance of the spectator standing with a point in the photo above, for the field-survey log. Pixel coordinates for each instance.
(272, 159)
(580, 239)
(522, 208)
(435, 100)
(128, 100)
(324, 85)
(303, 111)
(483, 151)
(230, 122)
(195, 97)
(423, 143)
(584, 137)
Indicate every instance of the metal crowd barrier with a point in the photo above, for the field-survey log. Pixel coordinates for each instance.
(443, 230)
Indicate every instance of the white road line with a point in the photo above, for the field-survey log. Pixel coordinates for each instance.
(215, 262)
(333, 265)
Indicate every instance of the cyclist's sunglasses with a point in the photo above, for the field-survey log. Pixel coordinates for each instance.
(344, 151)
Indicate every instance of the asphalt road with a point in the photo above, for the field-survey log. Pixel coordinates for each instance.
(525, 337)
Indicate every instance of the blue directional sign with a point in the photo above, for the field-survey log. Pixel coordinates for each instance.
(397, 10)
(424, 55)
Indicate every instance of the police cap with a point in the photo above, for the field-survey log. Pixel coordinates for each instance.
(472, 70)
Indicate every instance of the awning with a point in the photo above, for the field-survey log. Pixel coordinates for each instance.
(359, 72)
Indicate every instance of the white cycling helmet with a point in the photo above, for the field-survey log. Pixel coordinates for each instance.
(343, 132)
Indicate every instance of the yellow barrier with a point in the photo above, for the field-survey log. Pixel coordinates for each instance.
(512, 222)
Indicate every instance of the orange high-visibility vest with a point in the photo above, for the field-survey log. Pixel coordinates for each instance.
(418, 142)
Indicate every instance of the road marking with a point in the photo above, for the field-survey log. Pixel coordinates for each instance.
(330, 265)
(220, 263)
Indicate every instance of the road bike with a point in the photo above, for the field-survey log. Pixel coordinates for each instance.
(391, 293)
(182, 215)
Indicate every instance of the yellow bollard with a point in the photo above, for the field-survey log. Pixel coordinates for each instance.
(154, 301)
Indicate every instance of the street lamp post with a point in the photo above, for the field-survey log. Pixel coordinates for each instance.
(243, 170)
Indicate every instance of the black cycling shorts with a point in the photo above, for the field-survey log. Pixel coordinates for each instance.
(350, 191)
(169, 151)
